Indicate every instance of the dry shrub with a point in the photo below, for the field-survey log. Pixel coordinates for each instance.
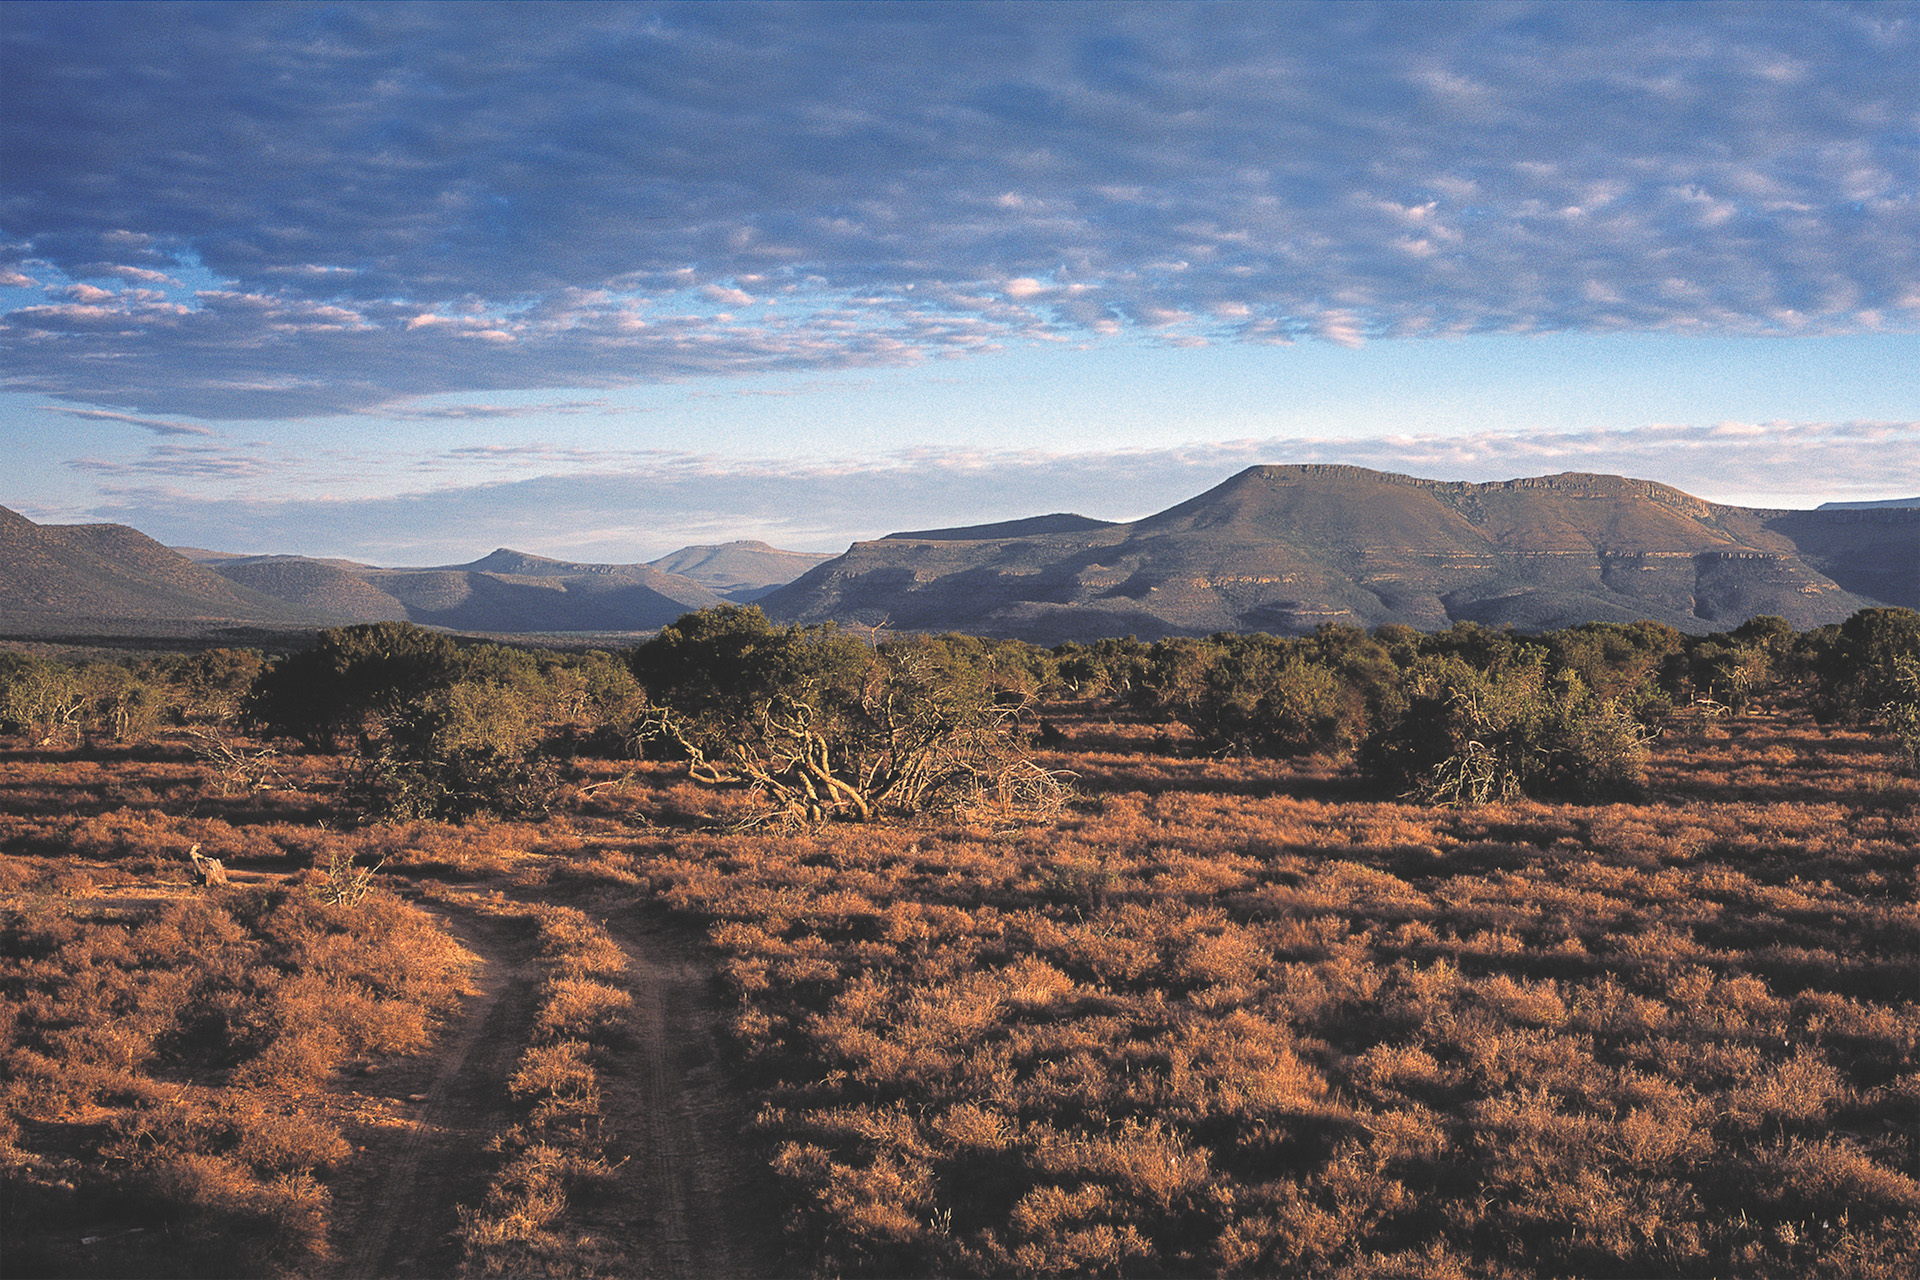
(574, 1008)
(163, 1047)
(561, 1073)
(1205, 1024)
(524, 1227)
(520, 1229)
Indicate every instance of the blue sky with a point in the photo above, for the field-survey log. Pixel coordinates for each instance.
(407, 282)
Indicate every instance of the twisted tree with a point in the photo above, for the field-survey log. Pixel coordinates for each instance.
(824, 724)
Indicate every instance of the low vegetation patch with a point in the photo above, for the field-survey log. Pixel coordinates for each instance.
(161, 1057)
(1225, 1028)
(558, 1154)
(1348, 955)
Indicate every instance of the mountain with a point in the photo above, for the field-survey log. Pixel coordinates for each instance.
(1867, 506)
(1058, 522)
(506, 591)
(1285, 548)
(106, 577)
(741, 571)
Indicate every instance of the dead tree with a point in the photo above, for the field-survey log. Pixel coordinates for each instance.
(207, 871)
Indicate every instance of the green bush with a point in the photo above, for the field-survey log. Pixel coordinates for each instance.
(824, 724)
(1860, 666)
(351, 682)
(1258, 695)
(1463, 735)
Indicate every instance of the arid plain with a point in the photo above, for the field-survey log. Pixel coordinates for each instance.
(1195, 1013)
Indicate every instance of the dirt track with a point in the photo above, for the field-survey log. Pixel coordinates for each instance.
(396, 1211)
(689, 1196)
(686, 1202)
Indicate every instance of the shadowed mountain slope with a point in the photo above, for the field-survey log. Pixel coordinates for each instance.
(1059, 522)
(505, 591)
(58, 577)
(1285, 548)
(741, 571)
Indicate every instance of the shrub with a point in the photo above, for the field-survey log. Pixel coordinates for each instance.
(826, 725)
(1255, 695)
(1469, 736)
(350, 682)
(39, 699)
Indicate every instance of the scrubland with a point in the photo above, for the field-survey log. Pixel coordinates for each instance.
(1215, 1015)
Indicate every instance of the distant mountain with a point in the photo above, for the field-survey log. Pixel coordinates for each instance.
(62, 578)
(505, 591)
(741, 571)
(1869, 506)
(1059, 522)
(337, 588)
(1285, 548)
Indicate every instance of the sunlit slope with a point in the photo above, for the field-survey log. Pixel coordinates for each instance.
(1284, 549)
(742, 570)
(64, 576)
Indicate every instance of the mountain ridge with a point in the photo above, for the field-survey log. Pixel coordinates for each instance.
(1285, 548)
(55, 576)
(1279, 548)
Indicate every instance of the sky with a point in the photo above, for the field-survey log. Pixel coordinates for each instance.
(408, 282)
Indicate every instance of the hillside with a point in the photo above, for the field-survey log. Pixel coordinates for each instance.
(507, 590)
(1286, 548)
(107, 577)
(741, 571)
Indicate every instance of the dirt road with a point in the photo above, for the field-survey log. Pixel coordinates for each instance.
(395, 1212)
(688, 1201)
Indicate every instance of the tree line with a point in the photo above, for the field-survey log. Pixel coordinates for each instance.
(825, 722)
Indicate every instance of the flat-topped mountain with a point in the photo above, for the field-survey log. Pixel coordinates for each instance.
(741, 571)
(1058, 522)
(1867, 506)
(107, 577)
(1285, 548)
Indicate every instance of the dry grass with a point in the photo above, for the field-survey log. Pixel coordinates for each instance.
(1220, 1017)
(525, 1225)
(1224, 1019)
(161, 1056)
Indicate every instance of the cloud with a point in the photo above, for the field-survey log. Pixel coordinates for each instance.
(624, 506)
(155, 425)
(192, 462)
(398, 200)
(486, 412)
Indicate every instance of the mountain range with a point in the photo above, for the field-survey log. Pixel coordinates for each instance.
(1275, 548)
(1286, 548)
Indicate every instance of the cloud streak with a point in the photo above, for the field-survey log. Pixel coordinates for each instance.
(158, 426)
(396, 200)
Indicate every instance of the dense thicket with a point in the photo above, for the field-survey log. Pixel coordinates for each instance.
(1473, 714)
(828, 723)
(443, 731)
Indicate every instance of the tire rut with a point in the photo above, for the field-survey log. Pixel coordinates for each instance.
(697, 1204)
(413, 1182)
